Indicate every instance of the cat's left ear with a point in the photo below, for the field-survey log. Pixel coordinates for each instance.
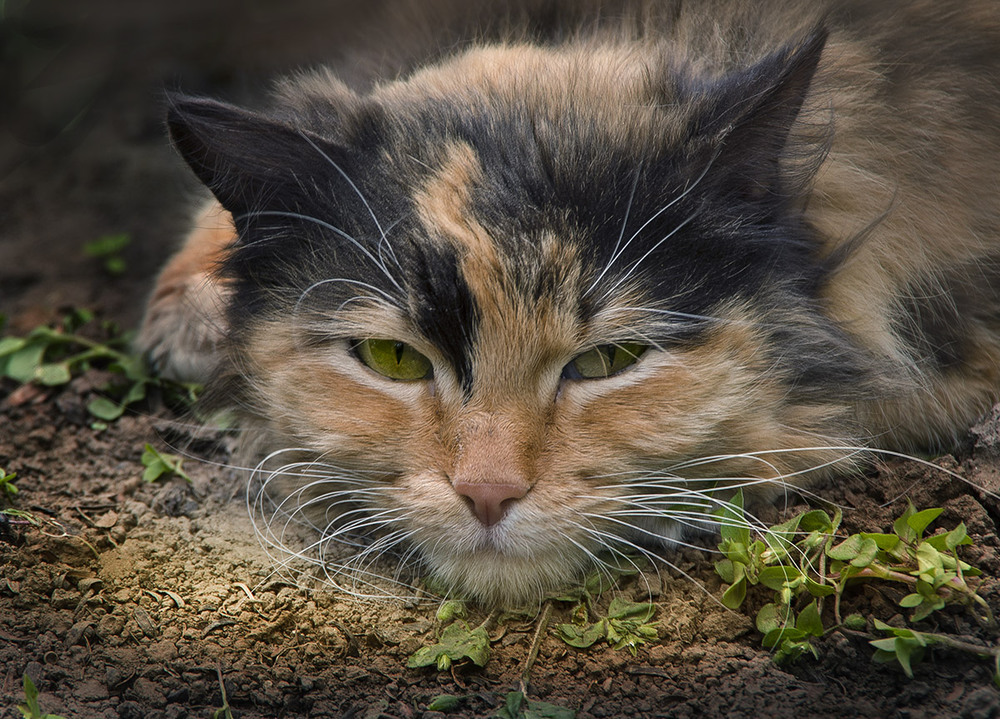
(247, 160)
(747, 115)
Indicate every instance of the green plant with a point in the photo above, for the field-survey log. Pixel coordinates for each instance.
(625, 625)
(159, 463)
(7, 486)
(807, 560)
(20, 516)
(108, 248)
(518, 706)
(223, 712)
(444, 703)
(30, 709)
(52, 356)
(456, 642)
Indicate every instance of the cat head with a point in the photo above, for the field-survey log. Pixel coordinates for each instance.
(532, 305)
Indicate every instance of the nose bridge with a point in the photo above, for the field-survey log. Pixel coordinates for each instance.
(493, 448)
(494, 463)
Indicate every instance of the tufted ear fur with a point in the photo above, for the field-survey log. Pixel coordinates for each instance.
(746, 116)
(247, 160)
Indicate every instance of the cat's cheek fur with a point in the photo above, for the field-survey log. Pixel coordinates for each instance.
(314, 401)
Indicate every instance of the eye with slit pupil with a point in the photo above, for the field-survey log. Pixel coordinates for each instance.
(604, 361)
(393, 359)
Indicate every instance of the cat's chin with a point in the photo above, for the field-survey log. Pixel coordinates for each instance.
(495, 579)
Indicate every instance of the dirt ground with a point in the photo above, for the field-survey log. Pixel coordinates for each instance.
(139, 596)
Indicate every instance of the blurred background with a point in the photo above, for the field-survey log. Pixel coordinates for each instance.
(84, 160)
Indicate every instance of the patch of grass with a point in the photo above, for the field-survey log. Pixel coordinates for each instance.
(52, 356)
(30, 709)
(807, 561)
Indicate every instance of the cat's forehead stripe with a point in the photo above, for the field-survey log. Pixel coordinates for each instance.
(443, 206)
(525, 316)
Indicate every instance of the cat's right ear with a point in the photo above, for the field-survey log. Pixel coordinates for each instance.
(249, 161)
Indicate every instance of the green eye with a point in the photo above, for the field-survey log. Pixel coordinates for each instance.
(395, 360)
(604, 361)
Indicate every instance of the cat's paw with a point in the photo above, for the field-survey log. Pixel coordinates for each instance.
(183, 328)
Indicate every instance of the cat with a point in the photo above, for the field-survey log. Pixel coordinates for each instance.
(517, 289)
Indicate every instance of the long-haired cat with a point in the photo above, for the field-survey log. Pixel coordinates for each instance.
(524, 285)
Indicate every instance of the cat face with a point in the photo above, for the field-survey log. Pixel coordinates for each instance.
(527, 309)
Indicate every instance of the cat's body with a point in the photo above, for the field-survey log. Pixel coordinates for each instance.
(774, 226)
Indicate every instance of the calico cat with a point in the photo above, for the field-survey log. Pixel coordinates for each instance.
(524, 286)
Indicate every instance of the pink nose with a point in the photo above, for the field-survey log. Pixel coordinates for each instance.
(490, 501)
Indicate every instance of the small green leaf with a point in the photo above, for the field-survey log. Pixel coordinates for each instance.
(855, 622)
(23, 363)
(583, 637)
(885, 542)
(816, 520)
(636, 611)
(776, 577)
(773, 616)
(846, 550)
(902, 527)
(517, 706)
(456, 643)
(136, 393)
(918, 521)
(957, 537)
(782, 634)
(443, 703)
(930, 563)
(107, 245)
(733, 597)
(911, 600)
(159, 463)
(732, 523)
(735, 551)
(726, 571)
(10, 345)
(596, 584)
(154, 470)
(886, 645)
(513, 703)
(104, 408)
(451, 609)
(866, 553)
(54, 374)
(816, 589)
(115, 266)
(77, 318)
(30, 699)
(809, 620)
